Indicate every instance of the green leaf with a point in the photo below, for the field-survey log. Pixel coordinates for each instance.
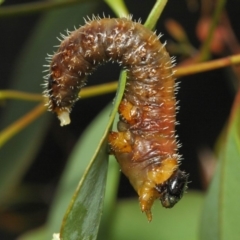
(110, 199)
(180, 222)
(83, 216)
(221, 212)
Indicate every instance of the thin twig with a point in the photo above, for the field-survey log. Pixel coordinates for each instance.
(21, 123)
(98, 90)
(207, 66)
(12, 94)
(85, 92)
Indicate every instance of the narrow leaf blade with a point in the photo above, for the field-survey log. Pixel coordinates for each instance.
(221, 208)
(83, 216)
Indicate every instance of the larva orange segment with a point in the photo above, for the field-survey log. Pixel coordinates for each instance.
(162, 173)
(127, 112)
(119, 142)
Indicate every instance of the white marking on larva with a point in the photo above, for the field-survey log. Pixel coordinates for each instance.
(49, 56)
(89, 19)
(159, 36)
(168, 66)
(59, 39)
(46, 77)
(86, 22)
(179, 145)
(141, 48)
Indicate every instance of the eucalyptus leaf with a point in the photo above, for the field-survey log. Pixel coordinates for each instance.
(180, 222)
(83, 216)
(221, 212)
(84, 213)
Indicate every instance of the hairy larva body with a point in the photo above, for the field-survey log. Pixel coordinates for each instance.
(145, 145)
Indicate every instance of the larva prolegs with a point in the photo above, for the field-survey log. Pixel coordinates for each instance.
(119, 142)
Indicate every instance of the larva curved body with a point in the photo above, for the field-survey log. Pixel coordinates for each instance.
(145, 146)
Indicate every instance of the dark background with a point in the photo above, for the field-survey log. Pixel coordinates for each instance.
(205, 99)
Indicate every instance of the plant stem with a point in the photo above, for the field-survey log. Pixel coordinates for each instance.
(207, 66)
(155, 14)
(118, 7)
(85, 92)
(18, 125)
(12, 94)
(98, 90)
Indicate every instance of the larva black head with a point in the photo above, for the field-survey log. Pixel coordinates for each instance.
(172, 190)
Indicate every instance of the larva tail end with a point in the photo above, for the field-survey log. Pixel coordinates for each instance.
(149, 215)
(146, 207)
(64, 118)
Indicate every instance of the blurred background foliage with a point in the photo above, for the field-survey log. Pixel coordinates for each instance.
(41, 165)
